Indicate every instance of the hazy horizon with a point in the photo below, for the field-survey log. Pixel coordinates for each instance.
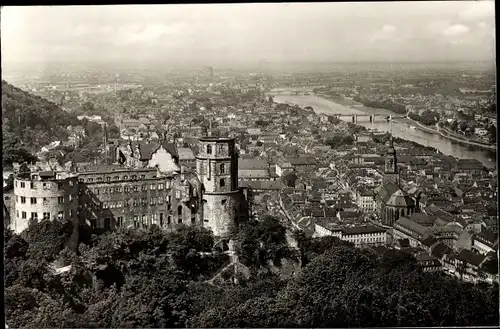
(273, 33)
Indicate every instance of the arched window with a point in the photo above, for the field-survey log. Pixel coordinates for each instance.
(209, 149)
(179, 210)
(222, 182)
(223, 168)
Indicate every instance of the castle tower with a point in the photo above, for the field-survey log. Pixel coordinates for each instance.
(46, 195)
(391, 164)
(217, 170)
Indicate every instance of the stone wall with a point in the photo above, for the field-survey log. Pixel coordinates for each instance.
(52, 198)
(217, 169)
(140, 198)
(163, 160)
(49, 199)
(221, 211)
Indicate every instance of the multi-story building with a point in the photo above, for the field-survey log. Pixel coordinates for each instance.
(138, 197)
(485, 241)
(405, 228)
(362, 235)
(365, 235)
(45, 195)
(365, 200)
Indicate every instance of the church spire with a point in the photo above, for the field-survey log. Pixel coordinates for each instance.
(391, 163)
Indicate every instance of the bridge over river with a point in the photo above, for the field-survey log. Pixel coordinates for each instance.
(370, 117)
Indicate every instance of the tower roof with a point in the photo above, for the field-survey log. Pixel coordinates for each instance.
(399, 199)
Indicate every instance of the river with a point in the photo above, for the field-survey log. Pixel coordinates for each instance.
(399, 129)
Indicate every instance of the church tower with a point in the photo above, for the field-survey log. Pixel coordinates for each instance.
(217, 170)
(391, 165)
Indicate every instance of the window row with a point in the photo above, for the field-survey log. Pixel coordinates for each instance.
(370, 239)
(221, 148)
(222, 168)
(118, 189)
(143, 221)
(137, 202)
(60, 200)
(115, 178)
(44, 215)
(134, 203)
(45, 185)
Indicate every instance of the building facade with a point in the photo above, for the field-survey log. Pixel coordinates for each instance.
(217, 169)
(363, 235)
(139, 198)
(44, 195)
(142, 194)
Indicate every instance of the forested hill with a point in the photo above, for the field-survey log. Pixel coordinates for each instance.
(29, 121)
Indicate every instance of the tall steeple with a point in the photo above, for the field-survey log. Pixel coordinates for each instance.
(105, 141)
(391, 164)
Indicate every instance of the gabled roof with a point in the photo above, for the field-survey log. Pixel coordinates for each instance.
(487, 236)
(185, 153)
(400, 199)
(246, 163)
(365, 229)
(429, 241)
(423, 219)
(386, 191)
(470, 257)
(262, 185)
(440, 249)
(411, 225)
(300, 161)
(148, 149)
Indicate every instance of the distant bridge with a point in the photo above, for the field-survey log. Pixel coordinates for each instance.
(371, 117)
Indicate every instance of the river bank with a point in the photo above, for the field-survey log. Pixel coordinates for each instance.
(354, 105)
(401, 130)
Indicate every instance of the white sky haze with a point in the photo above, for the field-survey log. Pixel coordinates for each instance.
(377, 31)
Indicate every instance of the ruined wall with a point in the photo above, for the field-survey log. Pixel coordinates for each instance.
(220, 212)
(45, 199)
(164, 160)
(139, 198)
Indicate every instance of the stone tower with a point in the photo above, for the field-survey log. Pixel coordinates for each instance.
(391, 165)
(217, 170)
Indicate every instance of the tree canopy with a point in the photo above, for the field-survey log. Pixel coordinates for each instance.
(35, 121)
(154, 279)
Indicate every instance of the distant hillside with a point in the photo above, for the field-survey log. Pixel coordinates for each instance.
(36, 121)
(30, 122)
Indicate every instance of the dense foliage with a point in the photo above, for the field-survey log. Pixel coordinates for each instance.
(339, 140)
(427, 117)
(159, 279)
(382, 104)
(30, 120)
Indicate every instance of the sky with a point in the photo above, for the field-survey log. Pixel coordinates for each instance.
(279, 32)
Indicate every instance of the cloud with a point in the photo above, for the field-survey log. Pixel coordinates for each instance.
(246, 31)
(388, 28)
(134, 34)
(479, 10)
(387, 33)
(456, 30)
